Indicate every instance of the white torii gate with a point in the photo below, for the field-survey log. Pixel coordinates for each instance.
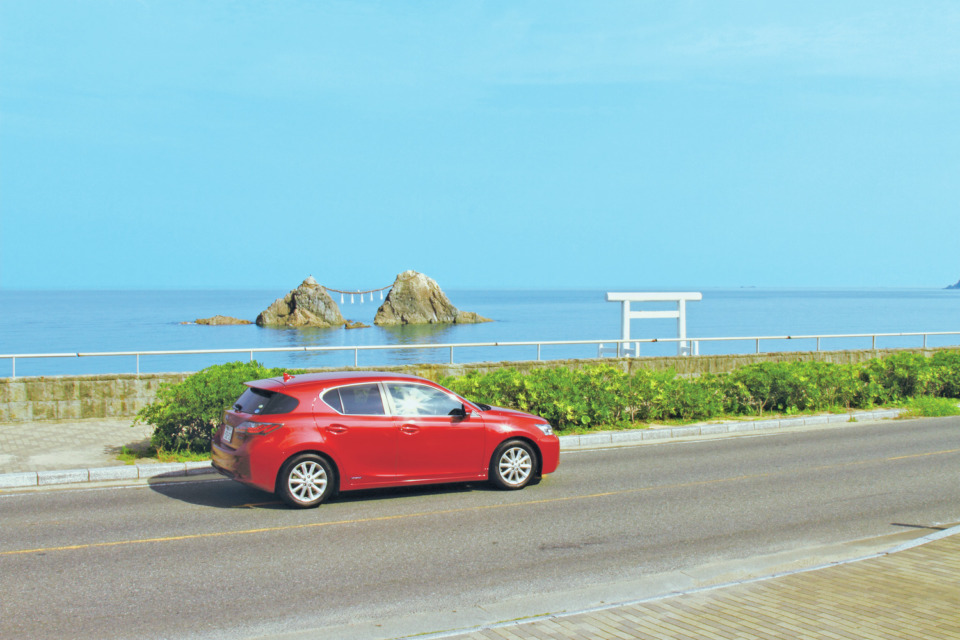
(626, 315)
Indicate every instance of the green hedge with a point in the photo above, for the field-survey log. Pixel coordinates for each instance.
(603, 395)
(186, 414)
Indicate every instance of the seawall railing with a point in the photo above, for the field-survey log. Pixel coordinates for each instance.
(621, 347)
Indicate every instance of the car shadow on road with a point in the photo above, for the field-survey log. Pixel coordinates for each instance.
(208, 491)
(221, 493)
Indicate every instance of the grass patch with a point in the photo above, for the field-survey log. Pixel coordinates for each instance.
(154, 454)
(927, 407)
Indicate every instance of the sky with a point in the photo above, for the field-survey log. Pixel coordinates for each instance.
(531, 145)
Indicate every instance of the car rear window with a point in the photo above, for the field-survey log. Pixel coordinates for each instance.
(262, 402)
(356, 399)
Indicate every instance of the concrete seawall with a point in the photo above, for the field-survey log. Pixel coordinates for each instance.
(122, 395)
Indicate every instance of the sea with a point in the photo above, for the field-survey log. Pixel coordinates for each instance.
(72, 322)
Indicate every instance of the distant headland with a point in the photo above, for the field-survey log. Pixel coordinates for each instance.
(954, 286)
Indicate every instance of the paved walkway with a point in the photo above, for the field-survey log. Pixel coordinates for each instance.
(49, 445)
(912, 593)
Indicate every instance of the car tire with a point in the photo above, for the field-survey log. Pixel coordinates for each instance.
(306, 480)
(513, 465)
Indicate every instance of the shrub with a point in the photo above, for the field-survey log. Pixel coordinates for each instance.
(946, 364)
(647, 391)
(185, 415)
(929, 407)
(897, 377)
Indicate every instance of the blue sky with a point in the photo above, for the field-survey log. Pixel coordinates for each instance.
(640, 144)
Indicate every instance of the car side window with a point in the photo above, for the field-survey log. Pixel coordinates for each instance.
(356, 400)
(421, 400)
(332, 398)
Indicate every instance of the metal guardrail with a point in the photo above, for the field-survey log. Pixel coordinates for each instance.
(695, 342)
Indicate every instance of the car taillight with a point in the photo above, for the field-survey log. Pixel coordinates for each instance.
(257, 428)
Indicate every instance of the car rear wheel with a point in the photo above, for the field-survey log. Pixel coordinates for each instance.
(305, 481)
(513, 465)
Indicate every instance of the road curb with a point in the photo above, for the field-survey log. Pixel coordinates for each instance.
(104, 474)
(620, 438)
(567, 443)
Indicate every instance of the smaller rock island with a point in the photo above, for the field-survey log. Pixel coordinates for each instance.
(954, 286)
(219, 320)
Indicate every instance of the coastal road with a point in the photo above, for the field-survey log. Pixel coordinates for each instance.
(213, 559)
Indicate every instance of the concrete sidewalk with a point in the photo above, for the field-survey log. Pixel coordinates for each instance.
(909, 592)
(50, 445)
(49, 452)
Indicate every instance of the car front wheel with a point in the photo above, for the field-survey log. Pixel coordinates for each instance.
(513, 465)
(305, 481)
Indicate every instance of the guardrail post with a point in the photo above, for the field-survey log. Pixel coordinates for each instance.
(138, 364)
(874, 343)
(13, 373)
(818, 343)
(451, 355)
(924, 341)
(356, 357)
(251, 355)
(758, 345)
(538, 352)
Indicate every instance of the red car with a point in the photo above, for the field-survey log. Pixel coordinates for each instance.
(307, 436)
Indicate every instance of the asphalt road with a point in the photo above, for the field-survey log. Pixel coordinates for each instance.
(213, 559)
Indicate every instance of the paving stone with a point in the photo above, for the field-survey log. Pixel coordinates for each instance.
(787, 423)
(65, 476)
(630, 436)
(709, 429)
(199, 468)
(595, 439)
(22, 479)
(162, 469)
(838, 417)
(656, 434)
(126, 472)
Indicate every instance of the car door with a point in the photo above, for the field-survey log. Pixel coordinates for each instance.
(437, 442)
(361, 435)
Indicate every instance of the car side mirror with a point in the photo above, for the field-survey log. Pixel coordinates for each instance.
(463, 412)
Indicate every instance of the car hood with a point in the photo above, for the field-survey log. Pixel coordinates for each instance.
(501, 412)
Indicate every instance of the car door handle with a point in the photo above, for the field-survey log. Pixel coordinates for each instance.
(409, 429)
(336, 429)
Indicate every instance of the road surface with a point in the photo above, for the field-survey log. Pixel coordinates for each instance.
(213, 559)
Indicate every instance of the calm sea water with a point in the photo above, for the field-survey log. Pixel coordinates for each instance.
(95, 321)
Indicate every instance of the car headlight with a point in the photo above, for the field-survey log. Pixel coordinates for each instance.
(546, 428)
